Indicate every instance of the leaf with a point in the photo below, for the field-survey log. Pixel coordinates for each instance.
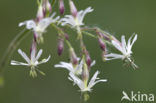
(53, 2)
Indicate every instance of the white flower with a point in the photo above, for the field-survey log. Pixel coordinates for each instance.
(75, 21)
(40, 27)
(125, 49)
(32, 61)
(85, 86)
(75, 69)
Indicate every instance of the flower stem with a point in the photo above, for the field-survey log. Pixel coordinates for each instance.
(59, 30)
(11, 48)
(89, 34)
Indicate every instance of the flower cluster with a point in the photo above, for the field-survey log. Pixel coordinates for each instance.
(79, 68)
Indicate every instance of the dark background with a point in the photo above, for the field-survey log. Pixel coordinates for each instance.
(119, 17)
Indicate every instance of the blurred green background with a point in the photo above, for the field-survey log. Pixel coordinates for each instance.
(115, 16)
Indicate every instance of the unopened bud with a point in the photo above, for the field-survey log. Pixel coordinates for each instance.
(40, 13)
(85, 73)
(102, 44)
(99, 34)
(60, 46)
(88, 60)
(105, 36)
(74, 58)
(66, 36)
(61, 7)
(103, 55)
(48, 6)
(73, 8)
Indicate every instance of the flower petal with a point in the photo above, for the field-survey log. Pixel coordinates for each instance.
(25, 57)
(30, 24)
(93, 63)
(13, 62)
(82, 13)
(44, 60)
(39, 54)
(113, 56)
(93, 82)
(129, 45)
(43, 24)
(134, 39)
(117, 46)
(123, 42)
(76, 80)
(65, 65)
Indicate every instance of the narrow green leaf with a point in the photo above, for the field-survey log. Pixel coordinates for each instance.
(53, 2)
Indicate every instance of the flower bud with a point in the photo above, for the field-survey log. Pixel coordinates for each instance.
(48, 6)
(61, 7)
(99, 34)
(103, 55)
(105, 36)
(66, 36)
(102, 44)
(85, 73)
(40, 13)
(73, 57)
(73, 9)
(88, 60)
(60, 46)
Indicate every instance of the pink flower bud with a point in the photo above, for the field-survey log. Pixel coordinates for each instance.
(102, 44)
(48, 7)
(88, 60)
(73, 8)
(101, 35)
(61, 7)
(66, 36)
(103, 55)
(60, 46)
(74, 58)
(85, 73)
(40, 13)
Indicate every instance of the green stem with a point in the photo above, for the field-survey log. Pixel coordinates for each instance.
(62, 33)
(105, 33)
(85, 97)
(89, 34)
(11, 48)
(83, 31)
